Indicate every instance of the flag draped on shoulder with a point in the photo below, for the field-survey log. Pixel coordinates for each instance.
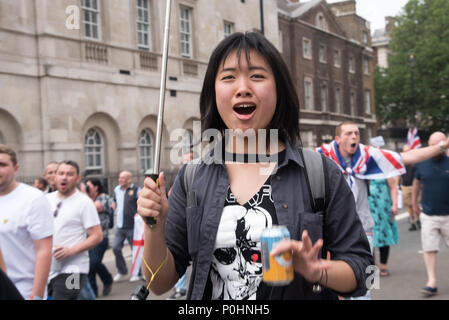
(413, 140)
(367, 163)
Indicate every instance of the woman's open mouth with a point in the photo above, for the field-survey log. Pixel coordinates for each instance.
(353, 145)
(244, 111)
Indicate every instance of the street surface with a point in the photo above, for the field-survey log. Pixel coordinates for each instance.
(406, 266)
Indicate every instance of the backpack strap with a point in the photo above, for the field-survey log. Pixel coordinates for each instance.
(316, 167)
(319, 192)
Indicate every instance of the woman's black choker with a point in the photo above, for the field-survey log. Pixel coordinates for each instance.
(253, 158)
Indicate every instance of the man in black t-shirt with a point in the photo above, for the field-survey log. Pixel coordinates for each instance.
(406, 188)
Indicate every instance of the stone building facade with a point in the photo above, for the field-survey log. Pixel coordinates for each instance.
(79, 79)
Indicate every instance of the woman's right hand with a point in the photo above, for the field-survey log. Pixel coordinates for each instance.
(152, 201)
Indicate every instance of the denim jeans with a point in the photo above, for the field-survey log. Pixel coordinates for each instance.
(96, 266)
(181, 285)
(120, 236)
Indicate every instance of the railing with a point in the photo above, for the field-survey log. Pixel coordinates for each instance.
(148, 61)
(190, 68)
(95, 52)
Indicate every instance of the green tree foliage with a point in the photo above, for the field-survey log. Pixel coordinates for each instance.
(422, 29)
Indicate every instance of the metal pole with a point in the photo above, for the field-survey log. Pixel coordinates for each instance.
(154, 173)
(262, 27)
(412, 80)
(160, 116)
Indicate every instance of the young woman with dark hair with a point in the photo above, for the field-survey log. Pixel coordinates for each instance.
(247, 95)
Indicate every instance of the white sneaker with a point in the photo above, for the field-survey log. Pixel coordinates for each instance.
(135, 278)
(119, 277)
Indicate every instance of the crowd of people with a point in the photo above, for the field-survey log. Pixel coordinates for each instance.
(53, 236)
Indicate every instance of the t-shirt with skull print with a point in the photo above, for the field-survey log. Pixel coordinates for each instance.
(236, 269)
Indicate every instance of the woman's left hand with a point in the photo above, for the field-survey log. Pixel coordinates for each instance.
(305, 257)
(394, 211)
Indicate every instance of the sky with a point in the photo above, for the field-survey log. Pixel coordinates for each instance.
(375, 11)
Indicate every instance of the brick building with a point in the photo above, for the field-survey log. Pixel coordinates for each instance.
(327, 47)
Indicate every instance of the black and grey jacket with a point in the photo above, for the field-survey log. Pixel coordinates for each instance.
(191, 231)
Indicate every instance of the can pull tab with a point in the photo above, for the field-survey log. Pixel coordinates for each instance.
(151, 221)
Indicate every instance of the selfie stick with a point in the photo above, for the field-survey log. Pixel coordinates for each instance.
(154, 173)
(141, 292)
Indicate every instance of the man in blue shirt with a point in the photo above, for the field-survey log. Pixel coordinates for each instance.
(432, 176)
(125, 206)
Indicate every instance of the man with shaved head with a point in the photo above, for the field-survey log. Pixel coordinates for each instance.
(125, 206)
(432, 177)
(50, 176)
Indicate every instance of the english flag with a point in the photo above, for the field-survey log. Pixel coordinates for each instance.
(413, 140)
(137, 244)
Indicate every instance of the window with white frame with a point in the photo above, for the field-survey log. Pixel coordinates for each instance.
(351, 64)
(185, 22)
(306, 48)
(364, 37)
(367, 101)
(91, 19)
(146, 150)
(308, 139)
(143, 25)
(366, 65)
(323, 95)
(337, 58)
(94, 152)
(323, 53)
(337, 100)
(308, 93)
(321, 21)
(352, 103)
(228, 28)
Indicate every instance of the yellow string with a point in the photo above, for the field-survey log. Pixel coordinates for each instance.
(157, 270)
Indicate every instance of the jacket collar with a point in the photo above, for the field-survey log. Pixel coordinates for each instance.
(291, 153)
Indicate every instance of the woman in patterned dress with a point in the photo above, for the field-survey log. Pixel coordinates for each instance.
(384, 207)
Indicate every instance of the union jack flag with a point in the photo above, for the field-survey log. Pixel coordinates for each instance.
(367, 163)
(413, 140)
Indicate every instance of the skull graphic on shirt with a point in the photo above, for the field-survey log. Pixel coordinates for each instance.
(237, 265)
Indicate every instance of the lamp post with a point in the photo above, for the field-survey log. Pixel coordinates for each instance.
(411, 60)
(262, 26)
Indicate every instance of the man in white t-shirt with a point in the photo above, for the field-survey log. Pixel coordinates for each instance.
(26, 229)
(74, 217)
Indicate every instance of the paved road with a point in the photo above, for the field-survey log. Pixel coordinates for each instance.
(123, 289)
(406, 266)
(407, 270)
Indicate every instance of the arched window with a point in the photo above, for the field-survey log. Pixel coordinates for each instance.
(146, 150)
(94, 151)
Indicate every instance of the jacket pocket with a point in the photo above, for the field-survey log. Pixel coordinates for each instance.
(313, 223)
(194, 217)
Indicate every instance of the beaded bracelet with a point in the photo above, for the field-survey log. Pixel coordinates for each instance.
(317, 288)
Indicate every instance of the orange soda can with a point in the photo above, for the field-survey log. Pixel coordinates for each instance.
(278, 270)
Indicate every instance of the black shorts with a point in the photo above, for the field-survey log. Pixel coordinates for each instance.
(66, 286)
